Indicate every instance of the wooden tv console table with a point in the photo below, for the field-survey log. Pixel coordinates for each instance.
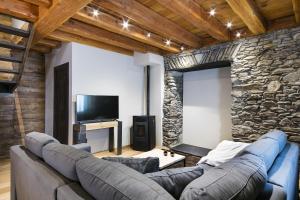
(80, 131)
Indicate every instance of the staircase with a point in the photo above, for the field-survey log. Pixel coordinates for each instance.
(14, 49)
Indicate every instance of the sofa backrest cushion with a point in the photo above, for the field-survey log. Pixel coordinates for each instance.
(35, 142)
(31, 178)
(63, 158)
(107, 180)
(266, 148)
(284, 171)
(277, 135)
(241, 178)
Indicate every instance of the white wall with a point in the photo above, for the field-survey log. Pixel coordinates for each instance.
(56, 57)
(207, 107)
(157, 71)
(100, 72)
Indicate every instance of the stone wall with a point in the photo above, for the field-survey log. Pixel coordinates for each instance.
(266, 86)
(172, 108)
(265, 73)
(24, 110)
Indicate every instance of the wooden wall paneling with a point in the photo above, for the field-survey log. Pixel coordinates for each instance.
(24, 110)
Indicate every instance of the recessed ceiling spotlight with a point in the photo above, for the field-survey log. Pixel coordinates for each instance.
(95, 12)
(168, 42)
(229, 24)
(238, 34)
(212, 12)
(149, 35)
(182, 48)
(125, 24)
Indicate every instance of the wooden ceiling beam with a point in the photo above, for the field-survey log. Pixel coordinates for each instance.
(101, 35)
(45, 3)
(19, 9)
(151, 20)
(41, 48)
(56, 15)
(248, 11)
(111, 23)
(69, 37)
(196, 15)
(296, 7)
(49, 42)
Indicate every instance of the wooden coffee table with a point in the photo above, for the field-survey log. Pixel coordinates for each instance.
(164, 161)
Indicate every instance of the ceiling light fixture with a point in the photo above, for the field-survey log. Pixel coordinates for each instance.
(229, 25)
(212, 12)
(125, 24)
(182, 48)
(95, 12)
(168, 42)
(238, 34)
(148, 35)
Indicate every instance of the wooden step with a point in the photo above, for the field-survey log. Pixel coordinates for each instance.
(13, 31)
(10, 59)
(9, 71)
(9, 45)
(7, 82)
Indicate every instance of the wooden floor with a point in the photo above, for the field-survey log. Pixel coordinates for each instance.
(5, 170)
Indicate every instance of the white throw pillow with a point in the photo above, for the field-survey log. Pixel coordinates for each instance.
(225, 151)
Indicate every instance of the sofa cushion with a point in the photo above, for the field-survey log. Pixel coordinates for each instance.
(277, 135)
(113, 181)
(63, 158)
(240, 178)
(175, 180)
(272, 192)
(35, 142)
(142, 165)
(284, 171)
(266, 148)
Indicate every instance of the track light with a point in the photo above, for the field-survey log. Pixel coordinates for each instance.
(212, 12)
(125, 24)
(95, 12)
(168, 42)
(229, 25)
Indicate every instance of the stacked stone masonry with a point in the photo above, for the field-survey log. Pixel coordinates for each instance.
(265, 74)
(172, 108)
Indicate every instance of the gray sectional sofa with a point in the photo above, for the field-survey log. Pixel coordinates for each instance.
(45, 169)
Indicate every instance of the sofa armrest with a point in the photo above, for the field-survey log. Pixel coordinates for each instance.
(83, 146)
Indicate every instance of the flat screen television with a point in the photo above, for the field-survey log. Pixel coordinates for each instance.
(92, 108)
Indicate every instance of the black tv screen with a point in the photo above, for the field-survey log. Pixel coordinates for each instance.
(90, 108)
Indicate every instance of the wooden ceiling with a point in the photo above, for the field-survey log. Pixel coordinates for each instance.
(185, 23)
